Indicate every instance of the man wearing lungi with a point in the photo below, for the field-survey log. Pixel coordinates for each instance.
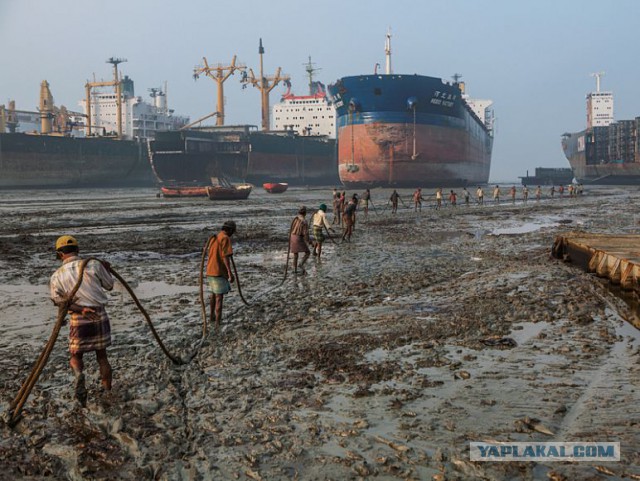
(366, 197)
(89, 327)
(299, 238)
(219, 274)
(349, 218)
(320, 222)
(394, 201)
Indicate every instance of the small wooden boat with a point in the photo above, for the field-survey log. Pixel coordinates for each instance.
(275, 187)
(189, 191)
(235, 192)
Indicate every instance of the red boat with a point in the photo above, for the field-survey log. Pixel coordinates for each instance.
(275, 187)
(238, 192)
(184, 191)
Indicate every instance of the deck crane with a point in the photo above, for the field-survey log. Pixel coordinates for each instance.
(265, 85)
(219, 74)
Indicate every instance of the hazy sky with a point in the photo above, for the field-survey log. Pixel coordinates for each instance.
(532, 58)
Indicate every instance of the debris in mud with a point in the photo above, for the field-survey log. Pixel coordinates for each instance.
(461, 375)
(527, 424)
(501, 342)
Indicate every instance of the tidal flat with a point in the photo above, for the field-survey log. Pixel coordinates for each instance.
(428, 331)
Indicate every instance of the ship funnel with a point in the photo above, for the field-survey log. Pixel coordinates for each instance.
(462, 86)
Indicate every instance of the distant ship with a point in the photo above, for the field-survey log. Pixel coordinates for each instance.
(64, 149)
(410, 131)
(548, 176)
(192, 157)
(606, 152)
(301, 151)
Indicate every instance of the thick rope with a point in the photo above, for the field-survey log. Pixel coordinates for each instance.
(328, 234)
(174, 359)
(25, 390)
(374, 207)
(235, 273)
(284, 278)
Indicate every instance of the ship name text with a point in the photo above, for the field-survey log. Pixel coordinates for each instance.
(443, 98)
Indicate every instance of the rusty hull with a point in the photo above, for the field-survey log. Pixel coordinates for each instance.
(383, 154)
(616, 257)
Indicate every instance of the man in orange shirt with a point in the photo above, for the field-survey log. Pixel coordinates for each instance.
(219, 274)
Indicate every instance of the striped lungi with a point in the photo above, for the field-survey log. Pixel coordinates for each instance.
(87, 334)
(318, 233)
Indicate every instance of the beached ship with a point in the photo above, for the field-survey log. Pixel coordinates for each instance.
(242, 152)
(46, 161)
(64, 149)
(606, 152)
(298, 153)
(548, 176)
(410, 130)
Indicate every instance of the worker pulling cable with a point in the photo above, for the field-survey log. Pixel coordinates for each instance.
(77, 288)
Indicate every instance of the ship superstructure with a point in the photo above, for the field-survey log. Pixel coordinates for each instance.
(310, 114)
(607, 151)
(70, 149)
(140, 119)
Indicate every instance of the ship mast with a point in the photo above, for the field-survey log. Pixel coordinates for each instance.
(116, 80)
(265, 85)
(310, 71)
(387, 52)
(219, 74)
(46, 108)
(115, 83)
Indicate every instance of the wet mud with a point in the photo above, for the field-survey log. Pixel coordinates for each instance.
(428, 331)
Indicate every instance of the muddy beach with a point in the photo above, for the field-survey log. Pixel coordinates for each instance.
(429, 330)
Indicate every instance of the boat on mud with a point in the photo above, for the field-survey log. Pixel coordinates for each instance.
(239, 192)
(223, 189)
(275, 187)
(187, 191)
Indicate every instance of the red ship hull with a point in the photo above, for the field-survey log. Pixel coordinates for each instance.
(382, 154)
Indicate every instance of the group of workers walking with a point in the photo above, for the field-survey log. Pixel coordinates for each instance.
(417, 197)
(89, 327)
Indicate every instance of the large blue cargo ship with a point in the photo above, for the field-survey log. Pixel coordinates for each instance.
(410, 130)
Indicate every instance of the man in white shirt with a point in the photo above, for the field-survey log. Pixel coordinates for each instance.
(320, 222)
(89, 327)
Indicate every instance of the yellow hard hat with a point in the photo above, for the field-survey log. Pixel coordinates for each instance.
(66, 240)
